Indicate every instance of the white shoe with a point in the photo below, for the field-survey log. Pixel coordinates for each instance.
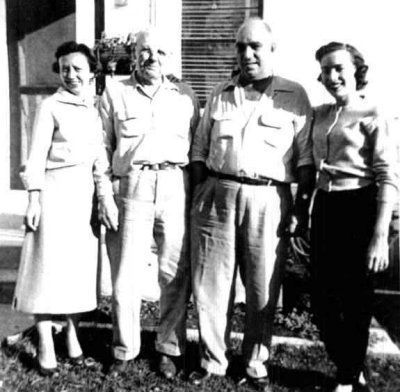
(362, 380)
(256, 369)
(343, 388)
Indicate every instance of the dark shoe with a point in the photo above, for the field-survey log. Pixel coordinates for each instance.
(77, 361)
(46, 372)
(166, 367)
(118, 366)
(260, 383)
(198, 377)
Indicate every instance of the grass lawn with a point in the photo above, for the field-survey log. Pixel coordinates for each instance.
(291, 368)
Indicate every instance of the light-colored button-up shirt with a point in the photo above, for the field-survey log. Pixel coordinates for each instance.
(269, 138)
(143, 129)
(67, 132)
(353, 147)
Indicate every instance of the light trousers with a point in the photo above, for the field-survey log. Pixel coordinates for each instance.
(237, 227)
(151, 204)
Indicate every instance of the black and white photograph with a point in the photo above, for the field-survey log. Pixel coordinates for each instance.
(199, 195)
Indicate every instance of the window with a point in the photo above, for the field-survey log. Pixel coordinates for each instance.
(208, 36)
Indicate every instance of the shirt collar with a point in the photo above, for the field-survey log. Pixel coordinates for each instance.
(63, 95)
(277, 86)
(234, 82)
(166, 84)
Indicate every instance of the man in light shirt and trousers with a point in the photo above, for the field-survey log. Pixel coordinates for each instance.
(253, 141)
(148, 123)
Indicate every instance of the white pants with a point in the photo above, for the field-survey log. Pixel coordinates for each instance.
(237, 226)
(152, 204)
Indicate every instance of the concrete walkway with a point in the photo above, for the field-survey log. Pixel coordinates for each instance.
(12, 322)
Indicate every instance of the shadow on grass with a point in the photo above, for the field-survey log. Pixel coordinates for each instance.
(387, 312)
(96, 343)
(304, 380)
(141, 374)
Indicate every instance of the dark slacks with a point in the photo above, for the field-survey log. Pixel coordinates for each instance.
(342, 288)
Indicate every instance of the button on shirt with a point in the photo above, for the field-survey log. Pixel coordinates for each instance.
(67, 132)
(142, 129)
(352, 148)
(269, 138)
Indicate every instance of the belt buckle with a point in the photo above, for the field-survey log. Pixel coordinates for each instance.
(150, 166)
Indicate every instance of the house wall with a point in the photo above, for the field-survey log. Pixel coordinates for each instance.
(30, 31)
(129, 16)
(85, 22)
(301, 27)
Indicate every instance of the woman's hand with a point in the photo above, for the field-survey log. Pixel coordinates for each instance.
(378, 250)
(108, 213)
(378, 253)
(33, 212)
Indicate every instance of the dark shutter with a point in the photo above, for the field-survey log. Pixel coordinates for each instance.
(208, 36)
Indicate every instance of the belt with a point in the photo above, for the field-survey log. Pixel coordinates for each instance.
(158, 166)
(245, 180)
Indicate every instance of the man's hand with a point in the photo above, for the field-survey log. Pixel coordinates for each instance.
(378, 253)
(299, 221)
(199, 173)
(108, 213)
(33, 212)
(298, 226)
(32, 215)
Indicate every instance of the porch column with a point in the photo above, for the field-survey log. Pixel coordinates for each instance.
(4, 107)
(85, 22)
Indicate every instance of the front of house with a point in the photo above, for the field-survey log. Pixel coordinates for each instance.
(201, 35)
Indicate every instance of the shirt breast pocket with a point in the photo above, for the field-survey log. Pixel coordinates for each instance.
(131, 124)
(276, 131)
(224, 127)
(62, 152)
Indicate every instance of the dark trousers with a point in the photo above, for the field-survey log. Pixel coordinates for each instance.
(342, 288)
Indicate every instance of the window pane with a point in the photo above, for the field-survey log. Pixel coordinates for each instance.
(208, 35)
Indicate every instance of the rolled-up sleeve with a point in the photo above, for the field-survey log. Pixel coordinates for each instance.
(303, 124)
(33, 174)
(201, 140)
(107, 116)
(185, 89)
(102, 167)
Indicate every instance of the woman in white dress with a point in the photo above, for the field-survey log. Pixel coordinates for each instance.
(66, 161)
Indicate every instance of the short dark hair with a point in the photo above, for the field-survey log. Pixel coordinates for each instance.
(358, 60)
(75, 47)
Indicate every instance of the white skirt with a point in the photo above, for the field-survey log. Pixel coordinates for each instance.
(58, 268)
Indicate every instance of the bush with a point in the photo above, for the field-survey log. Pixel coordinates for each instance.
(295, 323)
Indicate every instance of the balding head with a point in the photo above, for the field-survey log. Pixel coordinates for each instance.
(254, 48)
(255, 23)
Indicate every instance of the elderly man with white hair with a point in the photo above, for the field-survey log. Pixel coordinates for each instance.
(148, 122)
